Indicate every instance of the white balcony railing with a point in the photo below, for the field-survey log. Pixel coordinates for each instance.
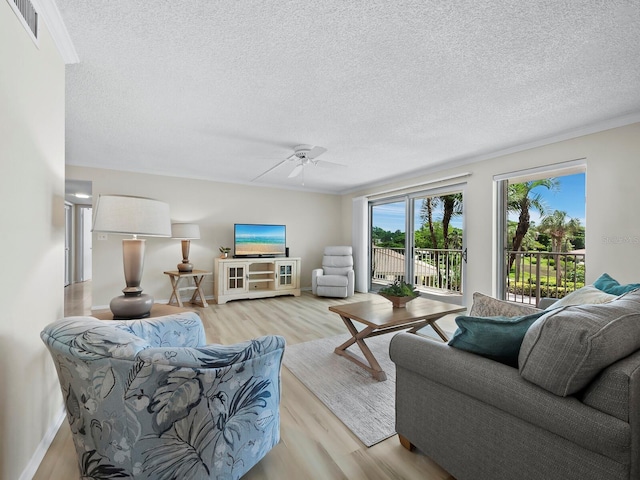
(533, 275)
(439, 269)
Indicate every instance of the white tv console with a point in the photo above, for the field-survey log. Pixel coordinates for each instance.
(240, 278)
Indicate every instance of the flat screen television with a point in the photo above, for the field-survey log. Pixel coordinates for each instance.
(258, 240)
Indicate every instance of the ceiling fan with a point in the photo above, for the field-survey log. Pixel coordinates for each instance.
(303, 156)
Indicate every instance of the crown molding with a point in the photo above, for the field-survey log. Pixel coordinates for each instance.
(51, 15)
(448, 164)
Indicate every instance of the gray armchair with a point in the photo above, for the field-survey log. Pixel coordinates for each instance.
(336, 277)
(148, 399)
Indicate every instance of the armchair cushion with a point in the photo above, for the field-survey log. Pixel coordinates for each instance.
(333, 280)
(566, 348)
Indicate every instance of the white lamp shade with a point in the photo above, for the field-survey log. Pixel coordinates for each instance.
(132, 216)
(185, 231)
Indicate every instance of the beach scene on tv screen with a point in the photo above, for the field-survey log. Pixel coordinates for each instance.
(260, 240)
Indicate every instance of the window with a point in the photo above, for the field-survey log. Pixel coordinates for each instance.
(542, 232)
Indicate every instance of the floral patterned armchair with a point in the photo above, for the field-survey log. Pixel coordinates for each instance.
(147, 399)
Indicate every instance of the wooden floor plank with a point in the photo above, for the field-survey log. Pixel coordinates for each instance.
(314, 443)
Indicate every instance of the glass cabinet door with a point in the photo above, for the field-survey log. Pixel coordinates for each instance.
(236, 281)
(287, 275)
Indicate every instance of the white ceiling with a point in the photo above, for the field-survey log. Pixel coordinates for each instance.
(223, 90)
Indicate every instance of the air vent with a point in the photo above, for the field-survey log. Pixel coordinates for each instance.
(26, 12)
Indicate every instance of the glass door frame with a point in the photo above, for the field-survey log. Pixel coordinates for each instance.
(409, 200)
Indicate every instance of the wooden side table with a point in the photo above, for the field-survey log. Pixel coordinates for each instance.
(198, 295)
(157, 310)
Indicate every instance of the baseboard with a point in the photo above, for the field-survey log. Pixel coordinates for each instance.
(32, 467)
(157, 300)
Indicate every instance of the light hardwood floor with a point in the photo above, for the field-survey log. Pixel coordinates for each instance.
(314, 443)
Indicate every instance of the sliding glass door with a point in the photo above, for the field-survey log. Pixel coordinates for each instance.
(419, 238)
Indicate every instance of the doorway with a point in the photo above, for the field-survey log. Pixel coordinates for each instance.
(78, 238)
(85, 242)
(68, 228)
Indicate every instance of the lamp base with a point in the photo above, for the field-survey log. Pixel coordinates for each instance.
(127, 307)
(185, 267)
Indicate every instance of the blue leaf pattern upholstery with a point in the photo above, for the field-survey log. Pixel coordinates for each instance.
(148, 399)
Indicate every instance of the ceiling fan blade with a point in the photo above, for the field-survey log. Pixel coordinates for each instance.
(315, 151)
(296, 171)
(272, 168)
(325, 164)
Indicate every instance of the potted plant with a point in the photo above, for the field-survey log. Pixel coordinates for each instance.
(399, 293)
(224, 251)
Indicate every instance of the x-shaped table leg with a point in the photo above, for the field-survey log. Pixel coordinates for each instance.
(373, 366)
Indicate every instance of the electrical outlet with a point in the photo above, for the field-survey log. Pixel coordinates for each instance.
(102, 236)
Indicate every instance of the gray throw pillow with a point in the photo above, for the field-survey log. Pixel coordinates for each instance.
(587, 295)
(486, 306)
(566, 348)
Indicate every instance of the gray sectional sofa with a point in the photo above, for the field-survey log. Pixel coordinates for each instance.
(570, 411)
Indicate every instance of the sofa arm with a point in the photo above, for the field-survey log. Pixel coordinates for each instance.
(351, 285)
(502, 387)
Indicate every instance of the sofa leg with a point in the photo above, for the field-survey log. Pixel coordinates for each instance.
(404, 441)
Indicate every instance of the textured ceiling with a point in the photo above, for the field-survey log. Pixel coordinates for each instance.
(224, 89)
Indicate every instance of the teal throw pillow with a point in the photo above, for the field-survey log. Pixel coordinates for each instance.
(498, 338)
(612, 286)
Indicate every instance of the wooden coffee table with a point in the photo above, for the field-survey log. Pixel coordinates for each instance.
(380, 317)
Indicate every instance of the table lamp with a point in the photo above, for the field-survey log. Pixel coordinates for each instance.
(185, 232)
(126, 215)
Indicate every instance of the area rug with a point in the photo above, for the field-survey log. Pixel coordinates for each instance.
(364, 405)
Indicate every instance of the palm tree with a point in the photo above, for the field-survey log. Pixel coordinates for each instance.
(559, 227)
(426, 215)
(521, 199)
(452, 207)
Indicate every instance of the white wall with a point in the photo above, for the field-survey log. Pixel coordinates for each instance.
(313, 221)
(613, 173)
(32, 240)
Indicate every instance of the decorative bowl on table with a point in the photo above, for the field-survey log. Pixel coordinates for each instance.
(398, 302)
(399, 293)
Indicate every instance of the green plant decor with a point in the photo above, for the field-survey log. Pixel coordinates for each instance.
(400, 289)
(399, 293)
(225, 249)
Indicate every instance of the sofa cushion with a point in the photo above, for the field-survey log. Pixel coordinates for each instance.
(612, 286)
(498, 338)
(566, 348)
(486, 306)
(587, 295)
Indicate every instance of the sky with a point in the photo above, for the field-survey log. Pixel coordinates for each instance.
(569, 197)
